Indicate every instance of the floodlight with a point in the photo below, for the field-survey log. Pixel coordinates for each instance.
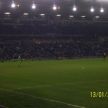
(7, 13)
(25, 14)
(42, 14)
(33, 6)
(97, 17)
(92, 10)
(58, 15)
(54, 7)
(71, 16)
(83, 16)
(74, 8)
(13, 5)
(102, 10)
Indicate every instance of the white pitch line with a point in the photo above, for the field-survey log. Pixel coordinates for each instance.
(2, 106)
(41, 98)
(68, 104)
(37, 86)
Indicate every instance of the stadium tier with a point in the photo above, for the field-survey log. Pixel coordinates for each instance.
(53, 29)
(55, 47)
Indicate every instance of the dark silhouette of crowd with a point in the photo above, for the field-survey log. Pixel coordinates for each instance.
(53, 47)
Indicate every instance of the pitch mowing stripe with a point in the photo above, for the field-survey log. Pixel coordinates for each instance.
(60, 84)
(41, 98)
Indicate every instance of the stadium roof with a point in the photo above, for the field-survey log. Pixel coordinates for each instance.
(64, 7)
(20, 14)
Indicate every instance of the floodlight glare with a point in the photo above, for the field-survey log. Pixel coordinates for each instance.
(71, 16)
(74, 8)
(97, 17)
(42, 14)
(13, 5)
(25, 14)
(33, 6)
(101, 10)
(92, 10)
(7, 13)
(58, 15)
(83, 16)
(54, 7)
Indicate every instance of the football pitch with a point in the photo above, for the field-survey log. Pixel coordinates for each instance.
(80, 83)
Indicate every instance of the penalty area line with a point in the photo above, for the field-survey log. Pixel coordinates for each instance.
(42, 98)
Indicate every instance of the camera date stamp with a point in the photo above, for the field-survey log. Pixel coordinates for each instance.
(99, 94)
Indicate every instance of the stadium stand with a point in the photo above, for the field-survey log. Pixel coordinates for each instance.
(82, 31)
(53, 47)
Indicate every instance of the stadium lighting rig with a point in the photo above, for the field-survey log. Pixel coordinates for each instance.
(97, 17)
(7, 13)
(71, 16)
(83, 16)
(74, 8)
(58, 15)
(13, 5)
(42, 14)
(26, 14)
(92, 9)
(54, 7)
(33, 6)
(102, 10)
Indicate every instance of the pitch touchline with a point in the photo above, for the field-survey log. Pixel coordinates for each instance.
(41, 98)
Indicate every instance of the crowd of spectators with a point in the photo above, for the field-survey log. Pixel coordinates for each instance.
(53, 48)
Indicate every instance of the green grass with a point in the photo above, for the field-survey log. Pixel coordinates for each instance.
(34, 84)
